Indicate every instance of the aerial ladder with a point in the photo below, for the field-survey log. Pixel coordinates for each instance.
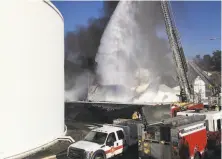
(186, 90)
(178, 54)
(187, 93)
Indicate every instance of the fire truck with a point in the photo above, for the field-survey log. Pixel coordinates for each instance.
(213, 125)
(158, 136)
(187, 96)
(171, 138)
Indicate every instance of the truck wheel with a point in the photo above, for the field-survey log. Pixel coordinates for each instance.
(99, 155)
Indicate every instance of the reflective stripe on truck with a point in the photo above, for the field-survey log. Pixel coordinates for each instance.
(113, 149)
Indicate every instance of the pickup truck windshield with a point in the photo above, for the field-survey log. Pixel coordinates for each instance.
(97, 137)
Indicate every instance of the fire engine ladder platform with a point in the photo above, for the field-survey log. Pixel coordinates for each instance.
(189, 106)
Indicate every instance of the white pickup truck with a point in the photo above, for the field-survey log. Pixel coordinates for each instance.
(105, 142)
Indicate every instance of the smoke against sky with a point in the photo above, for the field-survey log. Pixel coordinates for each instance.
(81, 47)
(197, 21)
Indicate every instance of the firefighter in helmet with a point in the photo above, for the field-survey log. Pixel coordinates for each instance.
(135, 115)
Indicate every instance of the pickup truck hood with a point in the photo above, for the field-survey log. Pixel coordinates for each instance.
(86, 145)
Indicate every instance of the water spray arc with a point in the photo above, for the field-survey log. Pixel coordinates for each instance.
(129, 45)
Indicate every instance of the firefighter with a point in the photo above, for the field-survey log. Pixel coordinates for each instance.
(135, 115)
(209, 86)
(217, 107)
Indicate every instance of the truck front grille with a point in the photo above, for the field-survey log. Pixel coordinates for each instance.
(75, 153)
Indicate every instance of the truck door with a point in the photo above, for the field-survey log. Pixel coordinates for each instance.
(110, 145)
(120, 143)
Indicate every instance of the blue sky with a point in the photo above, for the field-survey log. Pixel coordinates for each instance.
(197, 22)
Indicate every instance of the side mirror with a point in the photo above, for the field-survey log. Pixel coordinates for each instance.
(110, 143)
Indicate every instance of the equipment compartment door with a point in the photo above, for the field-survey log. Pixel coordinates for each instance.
(119, 143)
(160, 151)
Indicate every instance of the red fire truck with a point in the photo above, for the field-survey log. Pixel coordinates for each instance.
(181, 137)
(213, 125)
(178, 107)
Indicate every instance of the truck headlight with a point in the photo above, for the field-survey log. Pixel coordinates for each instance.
(89, 154)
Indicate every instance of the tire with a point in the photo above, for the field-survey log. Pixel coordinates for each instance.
(197, 156)
(99, 155)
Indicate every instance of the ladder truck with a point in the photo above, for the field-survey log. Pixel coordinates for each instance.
(172, 138)
(186, 90)
(163, 137)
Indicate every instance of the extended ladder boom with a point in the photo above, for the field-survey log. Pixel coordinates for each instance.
(178, 55)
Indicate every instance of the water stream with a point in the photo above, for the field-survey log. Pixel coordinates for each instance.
(134, 57)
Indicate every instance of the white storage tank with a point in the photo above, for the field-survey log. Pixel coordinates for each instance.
(32, 75)
(200, 87)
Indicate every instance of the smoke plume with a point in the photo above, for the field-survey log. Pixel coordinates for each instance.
(81, 47)
(129, 44)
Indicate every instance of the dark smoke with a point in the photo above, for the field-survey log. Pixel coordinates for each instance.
(81, 47)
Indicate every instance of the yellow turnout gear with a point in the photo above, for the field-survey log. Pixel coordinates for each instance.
(135, 115)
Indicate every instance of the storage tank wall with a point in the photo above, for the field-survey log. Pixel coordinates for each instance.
(32, 75)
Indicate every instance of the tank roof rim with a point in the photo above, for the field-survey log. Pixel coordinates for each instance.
(54, 7)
